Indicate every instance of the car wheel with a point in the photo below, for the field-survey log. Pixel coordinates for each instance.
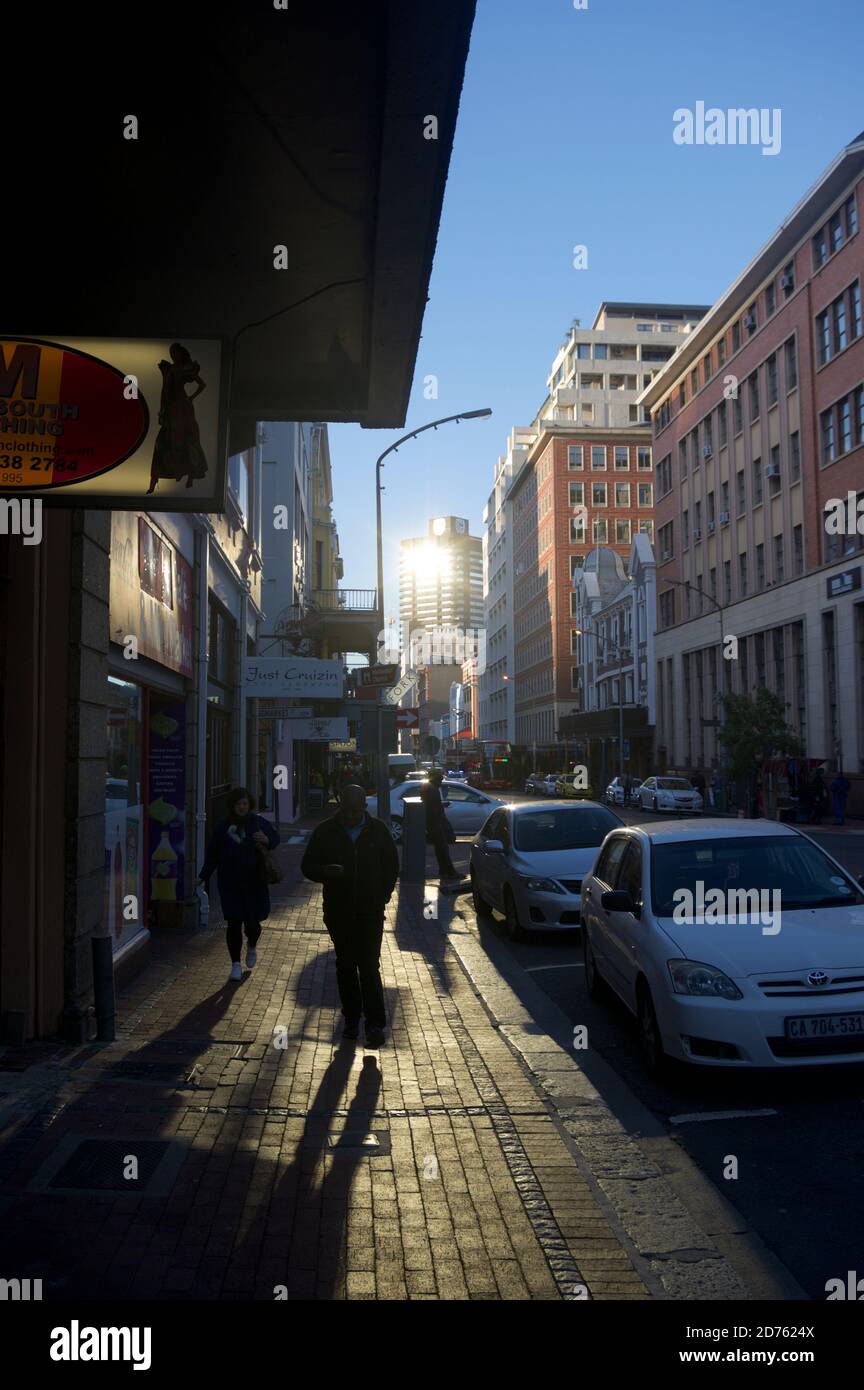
(481, 907)
(396, 829)
(649, 1032)
(594, 981)
(514, 929)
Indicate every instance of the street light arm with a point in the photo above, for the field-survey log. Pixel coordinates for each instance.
(433, 424)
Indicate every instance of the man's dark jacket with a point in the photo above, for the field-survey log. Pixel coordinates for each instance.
(437, 824)
(371, 868)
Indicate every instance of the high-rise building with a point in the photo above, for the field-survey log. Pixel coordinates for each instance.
(441, 579)
(579, 477)
(759, 447)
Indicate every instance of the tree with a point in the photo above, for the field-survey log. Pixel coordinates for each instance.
(755, 730)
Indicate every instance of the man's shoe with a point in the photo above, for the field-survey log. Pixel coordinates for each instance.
(251, 956)
(374, 1037)
(236, 971)
(351, 1032)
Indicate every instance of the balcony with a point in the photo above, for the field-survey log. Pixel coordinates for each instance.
(335, 620)
(345, 601)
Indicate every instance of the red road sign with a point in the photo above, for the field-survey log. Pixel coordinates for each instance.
(407, 718)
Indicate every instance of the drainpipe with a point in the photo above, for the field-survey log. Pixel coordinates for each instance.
(202, 540)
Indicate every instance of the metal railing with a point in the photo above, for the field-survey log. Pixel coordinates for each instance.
(345, 600)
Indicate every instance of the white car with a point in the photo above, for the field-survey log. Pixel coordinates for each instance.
(541, 783)
(781, 988)
(466, 808)
(528, 861)
(615, 791)
(669, 794)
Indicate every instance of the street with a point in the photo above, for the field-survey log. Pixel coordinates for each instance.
(796, 1135)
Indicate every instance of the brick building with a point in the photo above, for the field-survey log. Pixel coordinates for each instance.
(758, 424)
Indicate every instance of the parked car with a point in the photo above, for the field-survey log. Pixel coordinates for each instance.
(728, 993)
(540, 784)
(466, 808)
(565, 786)
(669, 794)
(528, 861)
(615, 792)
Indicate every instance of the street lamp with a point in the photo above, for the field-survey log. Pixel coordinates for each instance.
(381, 778)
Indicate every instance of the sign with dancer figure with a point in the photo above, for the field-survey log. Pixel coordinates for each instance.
(105, 422)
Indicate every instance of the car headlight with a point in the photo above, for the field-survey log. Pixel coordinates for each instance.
(695, 977)
(542, 885)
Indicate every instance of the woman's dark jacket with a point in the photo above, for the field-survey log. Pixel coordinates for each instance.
(371, 868)
(242, 893)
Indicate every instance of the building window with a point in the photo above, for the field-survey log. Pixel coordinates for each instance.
(622, 532)
(721, 352)
(694, 382)
(798, 548)
(778, 560)
(155, 564)
(791, 364)
(574, 456)
(737, 414)
(722, 425)
(601, 530)
(682, 395)
(601, 352)
(775, 480)
(666, 540)
(724, 498)
(622, 494)
(757, 482)
(682, 459)
(646, 495)
(685, 530)
(667, 607)
(742, 575)
(739, 492)
(598, 494)
(750, 320)
(850, 213)
(839, 324)
(787, 280)
(664, 476)
(643, 459)
(794, 457)
(770, 300)
(760, 566)
(598, 456)
(753, 383)
(827, 436)
(646, 528)
(820, 248)
(583, 351)
(771, 379)
(622, 457)
(736, 335)
(727, 581)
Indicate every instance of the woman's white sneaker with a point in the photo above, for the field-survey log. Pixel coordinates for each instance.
(236, 971)
(251, 956)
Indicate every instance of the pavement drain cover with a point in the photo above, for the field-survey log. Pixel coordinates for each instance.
(99, 1165)
(374, 1144)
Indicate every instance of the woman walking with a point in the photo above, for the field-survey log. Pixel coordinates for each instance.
(234, 853)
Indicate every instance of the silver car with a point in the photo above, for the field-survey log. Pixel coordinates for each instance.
(466, 808)
(529, 862)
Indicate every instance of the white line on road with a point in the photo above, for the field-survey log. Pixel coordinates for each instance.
(577, 965)
(718, 1115)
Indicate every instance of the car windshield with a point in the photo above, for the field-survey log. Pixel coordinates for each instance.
(674, 784)
(539, 831)
(804, 876)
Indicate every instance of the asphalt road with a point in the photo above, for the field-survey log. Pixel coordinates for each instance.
(800, 1166)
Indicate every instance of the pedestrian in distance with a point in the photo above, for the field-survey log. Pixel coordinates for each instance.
(439, 832)
(235, 853)
(840, 789)
(353, 855)
(818, 798)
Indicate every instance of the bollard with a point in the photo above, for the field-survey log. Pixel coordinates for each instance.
(413, 868)
(103, 987)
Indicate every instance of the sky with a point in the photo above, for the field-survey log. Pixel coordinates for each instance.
(565, 137)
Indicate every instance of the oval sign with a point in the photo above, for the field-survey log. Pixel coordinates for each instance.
(64, 415)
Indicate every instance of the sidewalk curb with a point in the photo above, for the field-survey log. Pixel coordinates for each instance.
(684, 1237)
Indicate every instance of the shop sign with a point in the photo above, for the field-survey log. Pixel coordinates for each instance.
(318, 730)
(294, 677)
(112, 422)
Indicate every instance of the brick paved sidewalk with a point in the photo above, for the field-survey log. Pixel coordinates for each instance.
(430, 1169)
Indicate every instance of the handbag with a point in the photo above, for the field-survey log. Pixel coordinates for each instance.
(268, 870)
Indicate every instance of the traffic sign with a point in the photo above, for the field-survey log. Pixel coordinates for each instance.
(378, 675)
(395, 695)
(407, 718)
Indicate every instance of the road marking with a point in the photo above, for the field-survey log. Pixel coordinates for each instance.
(577, 965)
(718, 1115)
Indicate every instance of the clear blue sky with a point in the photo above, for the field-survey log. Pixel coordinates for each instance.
(565, 136)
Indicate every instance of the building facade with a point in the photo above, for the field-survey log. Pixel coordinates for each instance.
(441, 579)
(758, 427)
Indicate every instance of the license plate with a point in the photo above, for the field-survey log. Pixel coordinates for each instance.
(824, 1026)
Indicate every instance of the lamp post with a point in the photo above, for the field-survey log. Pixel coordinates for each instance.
(382, 781)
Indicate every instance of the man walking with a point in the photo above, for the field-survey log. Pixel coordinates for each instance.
(818, 798)
(438, 830)
(840, 789)
(353, 855)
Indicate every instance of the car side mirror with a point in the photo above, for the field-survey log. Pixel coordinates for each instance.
(495, 846)
(619, 900)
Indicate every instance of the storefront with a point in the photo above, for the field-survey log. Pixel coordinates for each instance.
(147, 801)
